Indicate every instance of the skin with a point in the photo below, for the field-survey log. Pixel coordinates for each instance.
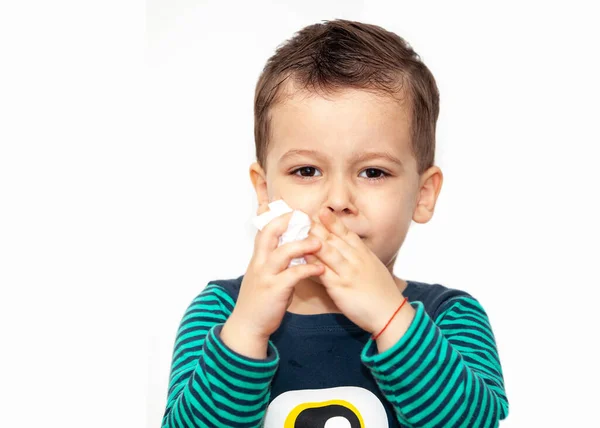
(358, 211)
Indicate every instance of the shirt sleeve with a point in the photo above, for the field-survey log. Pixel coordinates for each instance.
(210, 385)
(445, 373)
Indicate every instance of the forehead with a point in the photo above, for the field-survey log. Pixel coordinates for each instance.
(346, 122)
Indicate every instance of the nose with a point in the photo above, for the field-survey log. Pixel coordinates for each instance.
(340, 196)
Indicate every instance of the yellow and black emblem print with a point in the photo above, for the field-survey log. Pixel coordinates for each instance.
(337, 413)
(341, 407)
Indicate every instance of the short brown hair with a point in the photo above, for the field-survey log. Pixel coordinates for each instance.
(339, 54)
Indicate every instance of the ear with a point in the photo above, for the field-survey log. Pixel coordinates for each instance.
(430, 185)
(259, 182)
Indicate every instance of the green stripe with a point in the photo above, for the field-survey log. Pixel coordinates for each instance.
(454, 387)
(418, 389)
(475, 393)
(220, 292)
(403, 346)
(417, 341)
(211, 399)
(220, 349)
(261, 383)
(201, 322)
(412, 376)
(478, 366)
(197, 315)
(458, 333)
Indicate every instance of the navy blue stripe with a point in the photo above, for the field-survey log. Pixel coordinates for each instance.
(430, 382)
(424, 349)
(240, 401)
(468, 345)
(185, 362)
(206, 407)
(482, 367)
(446, 400)
(207, 308)
(209, 409)
(194, 350)
(197, 338)
(466, 308)
(482, 340)
(393, 384)
(195, 329)
(466, 316)
(238, 377)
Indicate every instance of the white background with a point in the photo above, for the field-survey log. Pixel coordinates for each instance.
(124, 189)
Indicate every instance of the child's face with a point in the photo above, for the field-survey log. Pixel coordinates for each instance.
(354, 123)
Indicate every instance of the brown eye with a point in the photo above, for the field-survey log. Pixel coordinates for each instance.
(375, 174)
(305, 171)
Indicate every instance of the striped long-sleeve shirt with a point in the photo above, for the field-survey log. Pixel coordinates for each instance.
(443, 372)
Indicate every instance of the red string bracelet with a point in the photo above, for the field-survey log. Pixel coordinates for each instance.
(388, 323)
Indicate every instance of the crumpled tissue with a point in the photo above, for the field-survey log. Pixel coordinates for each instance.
(298, 226)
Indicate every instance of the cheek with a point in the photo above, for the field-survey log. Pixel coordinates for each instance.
(296, 197)
(391, 221)
(390, 234)
(390, 213)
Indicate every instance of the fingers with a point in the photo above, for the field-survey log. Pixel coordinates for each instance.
(319, 231)
(329, 249)
(281, 257)
(335, 259)
(334, 225)
(328, 275)
(292, 275)
(267, 239)
(330, 240)
(312, 259)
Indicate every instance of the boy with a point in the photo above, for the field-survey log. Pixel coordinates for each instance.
(345, 117)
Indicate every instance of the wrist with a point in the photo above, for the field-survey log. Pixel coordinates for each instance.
(245, 327)
(396, 329)
(236, 337)
(386, 313)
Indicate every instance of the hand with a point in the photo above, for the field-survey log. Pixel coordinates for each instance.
(268, 285)
(358, 282)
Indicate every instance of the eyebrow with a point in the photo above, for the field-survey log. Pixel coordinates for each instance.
(360, 157)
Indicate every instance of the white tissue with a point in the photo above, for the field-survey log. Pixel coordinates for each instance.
(276, 208)
(298, 226)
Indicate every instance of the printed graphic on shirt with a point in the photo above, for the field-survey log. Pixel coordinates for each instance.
(340, 407)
